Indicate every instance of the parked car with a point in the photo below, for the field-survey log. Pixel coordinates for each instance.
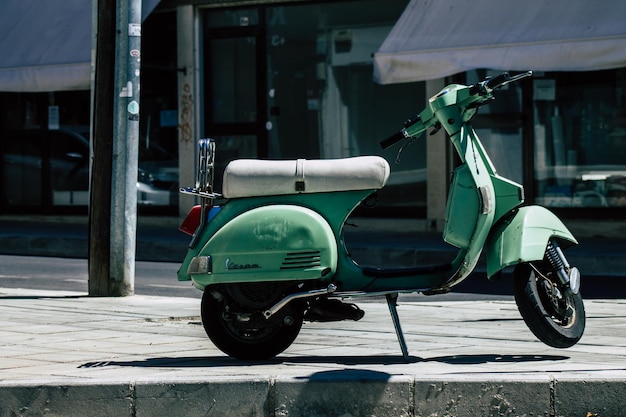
(25, 179)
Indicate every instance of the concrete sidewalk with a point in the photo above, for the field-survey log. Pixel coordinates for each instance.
(66, 354)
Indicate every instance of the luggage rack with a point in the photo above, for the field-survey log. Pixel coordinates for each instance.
(203, 187)
(199, 193)
(206, 168)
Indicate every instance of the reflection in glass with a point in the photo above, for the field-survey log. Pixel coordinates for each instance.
(580, 139)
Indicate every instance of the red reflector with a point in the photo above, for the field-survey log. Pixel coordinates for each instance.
(192, 221)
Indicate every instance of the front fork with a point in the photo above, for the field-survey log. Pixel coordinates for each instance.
(557, 290)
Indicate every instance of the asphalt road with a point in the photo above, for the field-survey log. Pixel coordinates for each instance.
(160, 279)
(66, 274)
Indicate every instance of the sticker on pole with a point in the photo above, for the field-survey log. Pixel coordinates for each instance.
(133, 107)
(134, 29)
(127, 91)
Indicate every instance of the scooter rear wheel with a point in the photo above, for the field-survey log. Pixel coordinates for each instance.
(252, 338)
(558, 321)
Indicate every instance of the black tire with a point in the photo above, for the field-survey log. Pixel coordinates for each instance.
(547, 320)
(240, 340)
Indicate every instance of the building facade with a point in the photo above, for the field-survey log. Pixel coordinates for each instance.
(295, 79)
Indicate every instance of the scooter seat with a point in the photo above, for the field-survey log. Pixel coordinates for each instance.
(255, 177)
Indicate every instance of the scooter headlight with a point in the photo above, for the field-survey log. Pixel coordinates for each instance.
(574, 280)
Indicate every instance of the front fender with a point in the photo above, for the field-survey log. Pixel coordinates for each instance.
(523, 237)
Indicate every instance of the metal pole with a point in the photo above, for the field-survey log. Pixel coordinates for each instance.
(125, 149)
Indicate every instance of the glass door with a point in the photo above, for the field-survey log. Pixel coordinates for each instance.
(234, 73)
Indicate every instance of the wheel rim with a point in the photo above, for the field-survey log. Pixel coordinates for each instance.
(558, 308)
(239, 315)
(243, 334)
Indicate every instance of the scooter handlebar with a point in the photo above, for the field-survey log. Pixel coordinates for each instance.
(392, 140)
(486, 87)
(483, 89)
(402, 134)
(498, 81)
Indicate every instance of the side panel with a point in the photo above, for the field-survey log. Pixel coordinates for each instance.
(523, 238)
(275, 242)
(462, 210)
(509, 195)
(333, 207)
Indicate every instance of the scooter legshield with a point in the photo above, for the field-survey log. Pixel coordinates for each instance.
(523, 237)
(270, 243)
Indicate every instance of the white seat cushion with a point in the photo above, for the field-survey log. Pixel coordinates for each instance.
(255, 177)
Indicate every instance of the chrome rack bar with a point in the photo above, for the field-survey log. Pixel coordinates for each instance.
(203, 187)
(199, 193)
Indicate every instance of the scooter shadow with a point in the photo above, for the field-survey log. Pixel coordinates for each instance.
(223, 361)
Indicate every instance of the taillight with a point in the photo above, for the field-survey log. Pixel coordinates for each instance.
(192, 221)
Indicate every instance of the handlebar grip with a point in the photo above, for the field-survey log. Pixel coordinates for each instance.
(391, 140)
(498, 80)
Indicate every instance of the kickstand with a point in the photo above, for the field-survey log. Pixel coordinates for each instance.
(391, 302)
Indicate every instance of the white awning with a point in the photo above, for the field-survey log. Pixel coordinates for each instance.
(46, 45)
(437, 38)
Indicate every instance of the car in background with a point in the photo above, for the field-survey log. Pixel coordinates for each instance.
(37, 165)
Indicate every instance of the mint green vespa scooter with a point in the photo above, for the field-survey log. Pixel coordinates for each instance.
(268, 252)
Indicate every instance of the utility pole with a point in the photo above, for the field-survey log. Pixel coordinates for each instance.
(113, 194)
(102, 146)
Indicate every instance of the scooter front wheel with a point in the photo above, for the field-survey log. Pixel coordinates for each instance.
(246, 334)
(555, 317)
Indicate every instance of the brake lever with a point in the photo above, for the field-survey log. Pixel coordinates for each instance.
(490, 84)
(516, 78)
(408, 141)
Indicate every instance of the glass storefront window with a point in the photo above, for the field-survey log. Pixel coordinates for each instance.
(233, 84)
(580, 139)
(233, 18)
(321, 99)
(498, 125)
(230, 147)
(44, 166)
